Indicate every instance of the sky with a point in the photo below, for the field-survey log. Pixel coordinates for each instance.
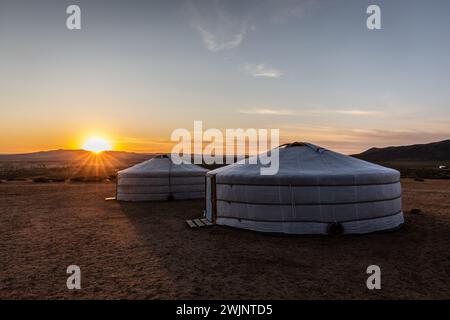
(137, 70)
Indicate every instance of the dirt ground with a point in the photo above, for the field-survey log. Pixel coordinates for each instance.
(146, 250)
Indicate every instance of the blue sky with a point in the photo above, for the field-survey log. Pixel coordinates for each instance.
(137, 70)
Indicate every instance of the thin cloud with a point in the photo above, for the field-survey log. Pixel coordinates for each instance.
(220, 27)
(359, 112)
(306, 113)
(215, 43)
(223, 25)
(270, 112)
(261, 70)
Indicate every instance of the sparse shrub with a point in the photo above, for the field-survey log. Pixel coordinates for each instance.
(94, 179)
(77, 179)
(87, 179)
(424, 173)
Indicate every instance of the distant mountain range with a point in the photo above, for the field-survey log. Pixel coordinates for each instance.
(74, 155)
(435, 151)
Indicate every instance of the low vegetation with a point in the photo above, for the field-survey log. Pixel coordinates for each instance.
(59, 171)
(54, 171)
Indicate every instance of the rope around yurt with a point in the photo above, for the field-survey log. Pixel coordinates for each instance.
(170, 196)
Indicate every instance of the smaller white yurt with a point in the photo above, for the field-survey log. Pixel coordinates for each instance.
(315, 191)
(159, 179)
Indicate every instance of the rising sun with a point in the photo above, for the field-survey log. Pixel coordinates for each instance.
(96, 145)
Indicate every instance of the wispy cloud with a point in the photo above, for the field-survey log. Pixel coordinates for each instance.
(310, 112)
(214, 42)
(267, 112)
(261, 70)
(221, 26)
(359, 112)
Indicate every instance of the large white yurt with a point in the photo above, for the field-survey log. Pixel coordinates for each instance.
(316, 191)
(160, 179)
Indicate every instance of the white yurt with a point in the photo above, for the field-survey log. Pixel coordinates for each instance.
(316, 191)
(160, 179)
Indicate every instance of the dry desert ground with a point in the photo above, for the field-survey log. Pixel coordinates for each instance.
(146, 250)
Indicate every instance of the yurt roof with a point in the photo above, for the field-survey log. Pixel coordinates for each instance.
(162, 166)
(302, 163)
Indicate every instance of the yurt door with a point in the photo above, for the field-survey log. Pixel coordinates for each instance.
(211, 198)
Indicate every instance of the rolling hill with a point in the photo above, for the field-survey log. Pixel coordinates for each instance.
(429, 152)
(417, 161)
(73, 155)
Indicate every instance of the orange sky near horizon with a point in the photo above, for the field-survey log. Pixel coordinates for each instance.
(340, 140)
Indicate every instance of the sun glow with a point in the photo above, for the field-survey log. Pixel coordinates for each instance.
(96, 145)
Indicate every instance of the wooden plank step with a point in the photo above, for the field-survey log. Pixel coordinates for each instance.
(205, 221)
(191, 224)
(199, 223)
(110, 198)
